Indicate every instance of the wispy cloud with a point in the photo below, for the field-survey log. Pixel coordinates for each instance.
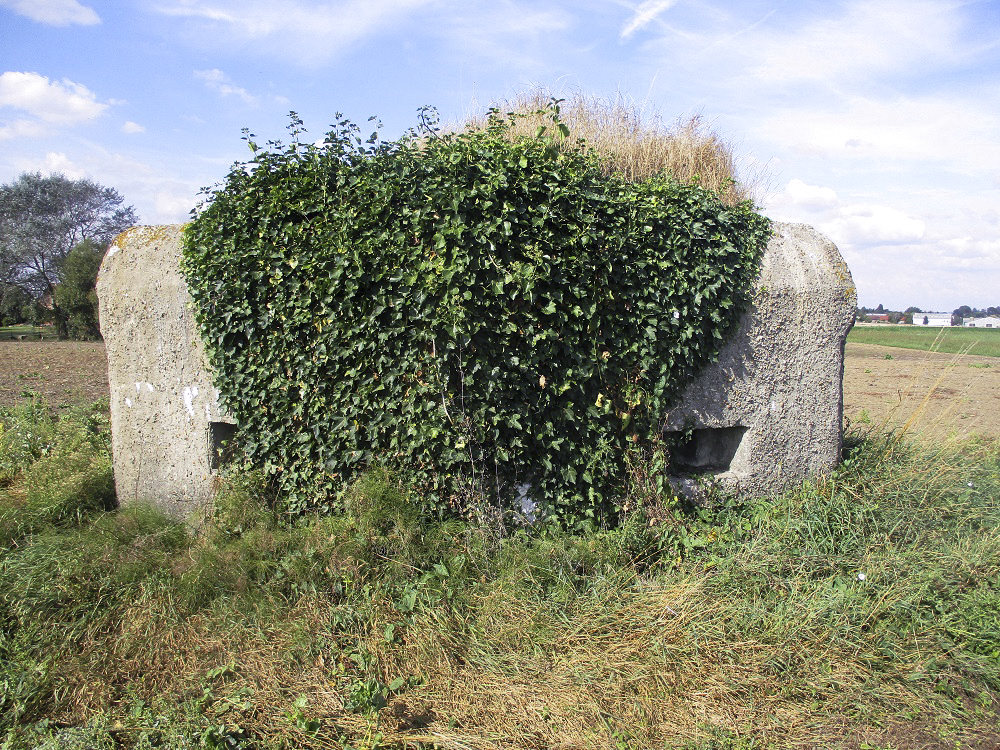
(644, 15)
(54, 12)
(222, 84)
(308, 32)
(865, 129)
(860, 39)
(514, 35)
(132, 127)
(49, 102)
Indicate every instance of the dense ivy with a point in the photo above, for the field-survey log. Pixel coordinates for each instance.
(490, 317)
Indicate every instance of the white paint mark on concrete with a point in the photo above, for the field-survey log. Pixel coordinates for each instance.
(138, 387)
(128, 402)
(112, 251)
(149, 387)
(189, 394)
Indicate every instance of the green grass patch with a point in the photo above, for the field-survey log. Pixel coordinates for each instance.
(859, 610)
(984, 342)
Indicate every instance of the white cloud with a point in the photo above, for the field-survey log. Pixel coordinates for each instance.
(21, 129)
(174, 203)
(866, 39)
(853, 223)
(133, 127)
(869, 224)
(219, 82)
(306, 31)
(52, 102)
(54, 12)
(958, 132)
(810, 196)
(58, 162)
(645, 14)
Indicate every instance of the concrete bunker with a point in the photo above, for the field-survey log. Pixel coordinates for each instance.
(766, 414)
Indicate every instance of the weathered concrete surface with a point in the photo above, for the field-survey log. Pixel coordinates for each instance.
(770, 410)
(162, 398)
(766, 414)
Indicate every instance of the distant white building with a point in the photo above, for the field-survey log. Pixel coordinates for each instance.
(981, 322)
(932, 319)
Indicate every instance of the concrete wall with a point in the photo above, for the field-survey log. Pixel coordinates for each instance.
(767, 413)
(164, 408)
(770, 411)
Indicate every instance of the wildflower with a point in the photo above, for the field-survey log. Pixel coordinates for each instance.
(861, 576)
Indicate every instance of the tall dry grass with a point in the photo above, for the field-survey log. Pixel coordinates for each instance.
(633, 144)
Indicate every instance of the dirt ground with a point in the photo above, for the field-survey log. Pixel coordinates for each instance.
(938, 394)
(64, 372)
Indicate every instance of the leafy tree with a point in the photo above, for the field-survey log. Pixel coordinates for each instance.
(16, 306)
(912, 310)
(76, 296)
(42, 219)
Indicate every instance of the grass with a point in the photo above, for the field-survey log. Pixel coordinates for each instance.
(859, 610)
(983, 342)
(634, 144)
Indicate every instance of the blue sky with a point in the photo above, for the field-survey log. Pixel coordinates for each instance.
(877, 121)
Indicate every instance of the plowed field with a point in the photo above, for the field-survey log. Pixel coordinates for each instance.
(936, 394)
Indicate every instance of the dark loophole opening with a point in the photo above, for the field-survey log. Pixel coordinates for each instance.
(221, 447)
(707, 449)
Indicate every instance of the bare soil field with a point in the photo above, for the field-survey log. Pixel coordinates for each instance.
(937, 394)
(66, 373)
(934, 394)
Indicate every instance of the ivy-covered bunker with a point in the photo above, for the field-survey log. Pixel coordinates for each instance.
(766, 414)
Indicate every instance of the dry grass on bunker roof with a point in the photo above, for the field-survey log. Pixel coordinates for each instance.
(636, 144)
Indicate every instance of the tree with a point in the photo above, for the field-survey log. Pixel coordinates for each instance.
(16, 306)
(912, 310)
(42, 219)
(76, 295)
